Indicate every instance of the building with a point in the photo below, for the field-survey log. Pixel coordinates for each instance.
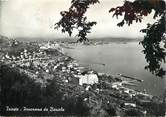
(88, 79)
(51, 46)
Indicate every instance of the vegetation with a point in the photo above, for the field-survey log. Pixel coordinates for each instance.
(19, 90)
(154, 42)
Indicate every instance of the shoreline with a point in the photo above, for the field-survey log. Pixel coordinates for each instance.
(105, 90)
(130, 54)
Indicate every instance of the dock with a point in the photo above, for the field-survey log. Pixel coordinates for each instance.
(132, 78)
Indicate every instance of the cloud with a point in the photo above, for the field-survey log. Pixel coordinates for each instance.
(35, 18)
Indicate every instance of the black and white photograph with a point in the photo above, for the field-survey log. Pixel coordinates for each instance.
(96, 58)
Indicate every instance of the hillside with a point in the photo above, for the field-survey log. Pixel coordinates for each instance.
(34, 79)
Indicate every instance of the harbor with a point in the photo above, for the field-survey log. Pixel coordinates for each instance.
(98, 91)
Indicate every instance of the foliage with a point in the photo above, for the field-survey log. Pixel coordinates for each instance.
(154, 44)
(131, 11)
(134, 11)
(154, 41)
(75, 19)
(19, 90)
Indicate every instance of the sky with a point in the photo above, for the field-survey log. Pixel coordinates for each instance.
(35, 18)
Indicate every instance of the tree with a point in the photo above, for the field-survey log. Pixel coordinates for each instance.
(154, 41)
(155, 34)
(19, 90)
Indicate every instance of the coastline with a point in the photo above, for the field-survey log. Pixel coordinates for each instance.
(126, 59)
(108, 93)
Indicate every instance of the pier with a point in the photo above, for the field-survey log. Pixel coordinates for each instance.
(132, 78)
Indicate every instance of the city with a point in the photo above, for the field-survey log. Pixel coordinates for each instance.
(47, 62)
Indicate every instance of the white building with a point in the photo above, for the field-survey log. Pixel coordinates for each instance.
(51, 46)
(88, 79)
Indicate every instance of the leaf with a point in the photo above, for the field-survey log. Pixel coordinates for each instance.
(121, 23)
(111, 10)
(143, 30)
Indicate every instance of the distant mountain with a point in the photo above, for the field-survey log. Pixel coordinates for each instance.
(74, 39)
(116, 39)
(3, 39)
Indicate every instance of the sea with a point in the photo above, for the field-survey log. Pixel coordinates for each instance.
(119, 58)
